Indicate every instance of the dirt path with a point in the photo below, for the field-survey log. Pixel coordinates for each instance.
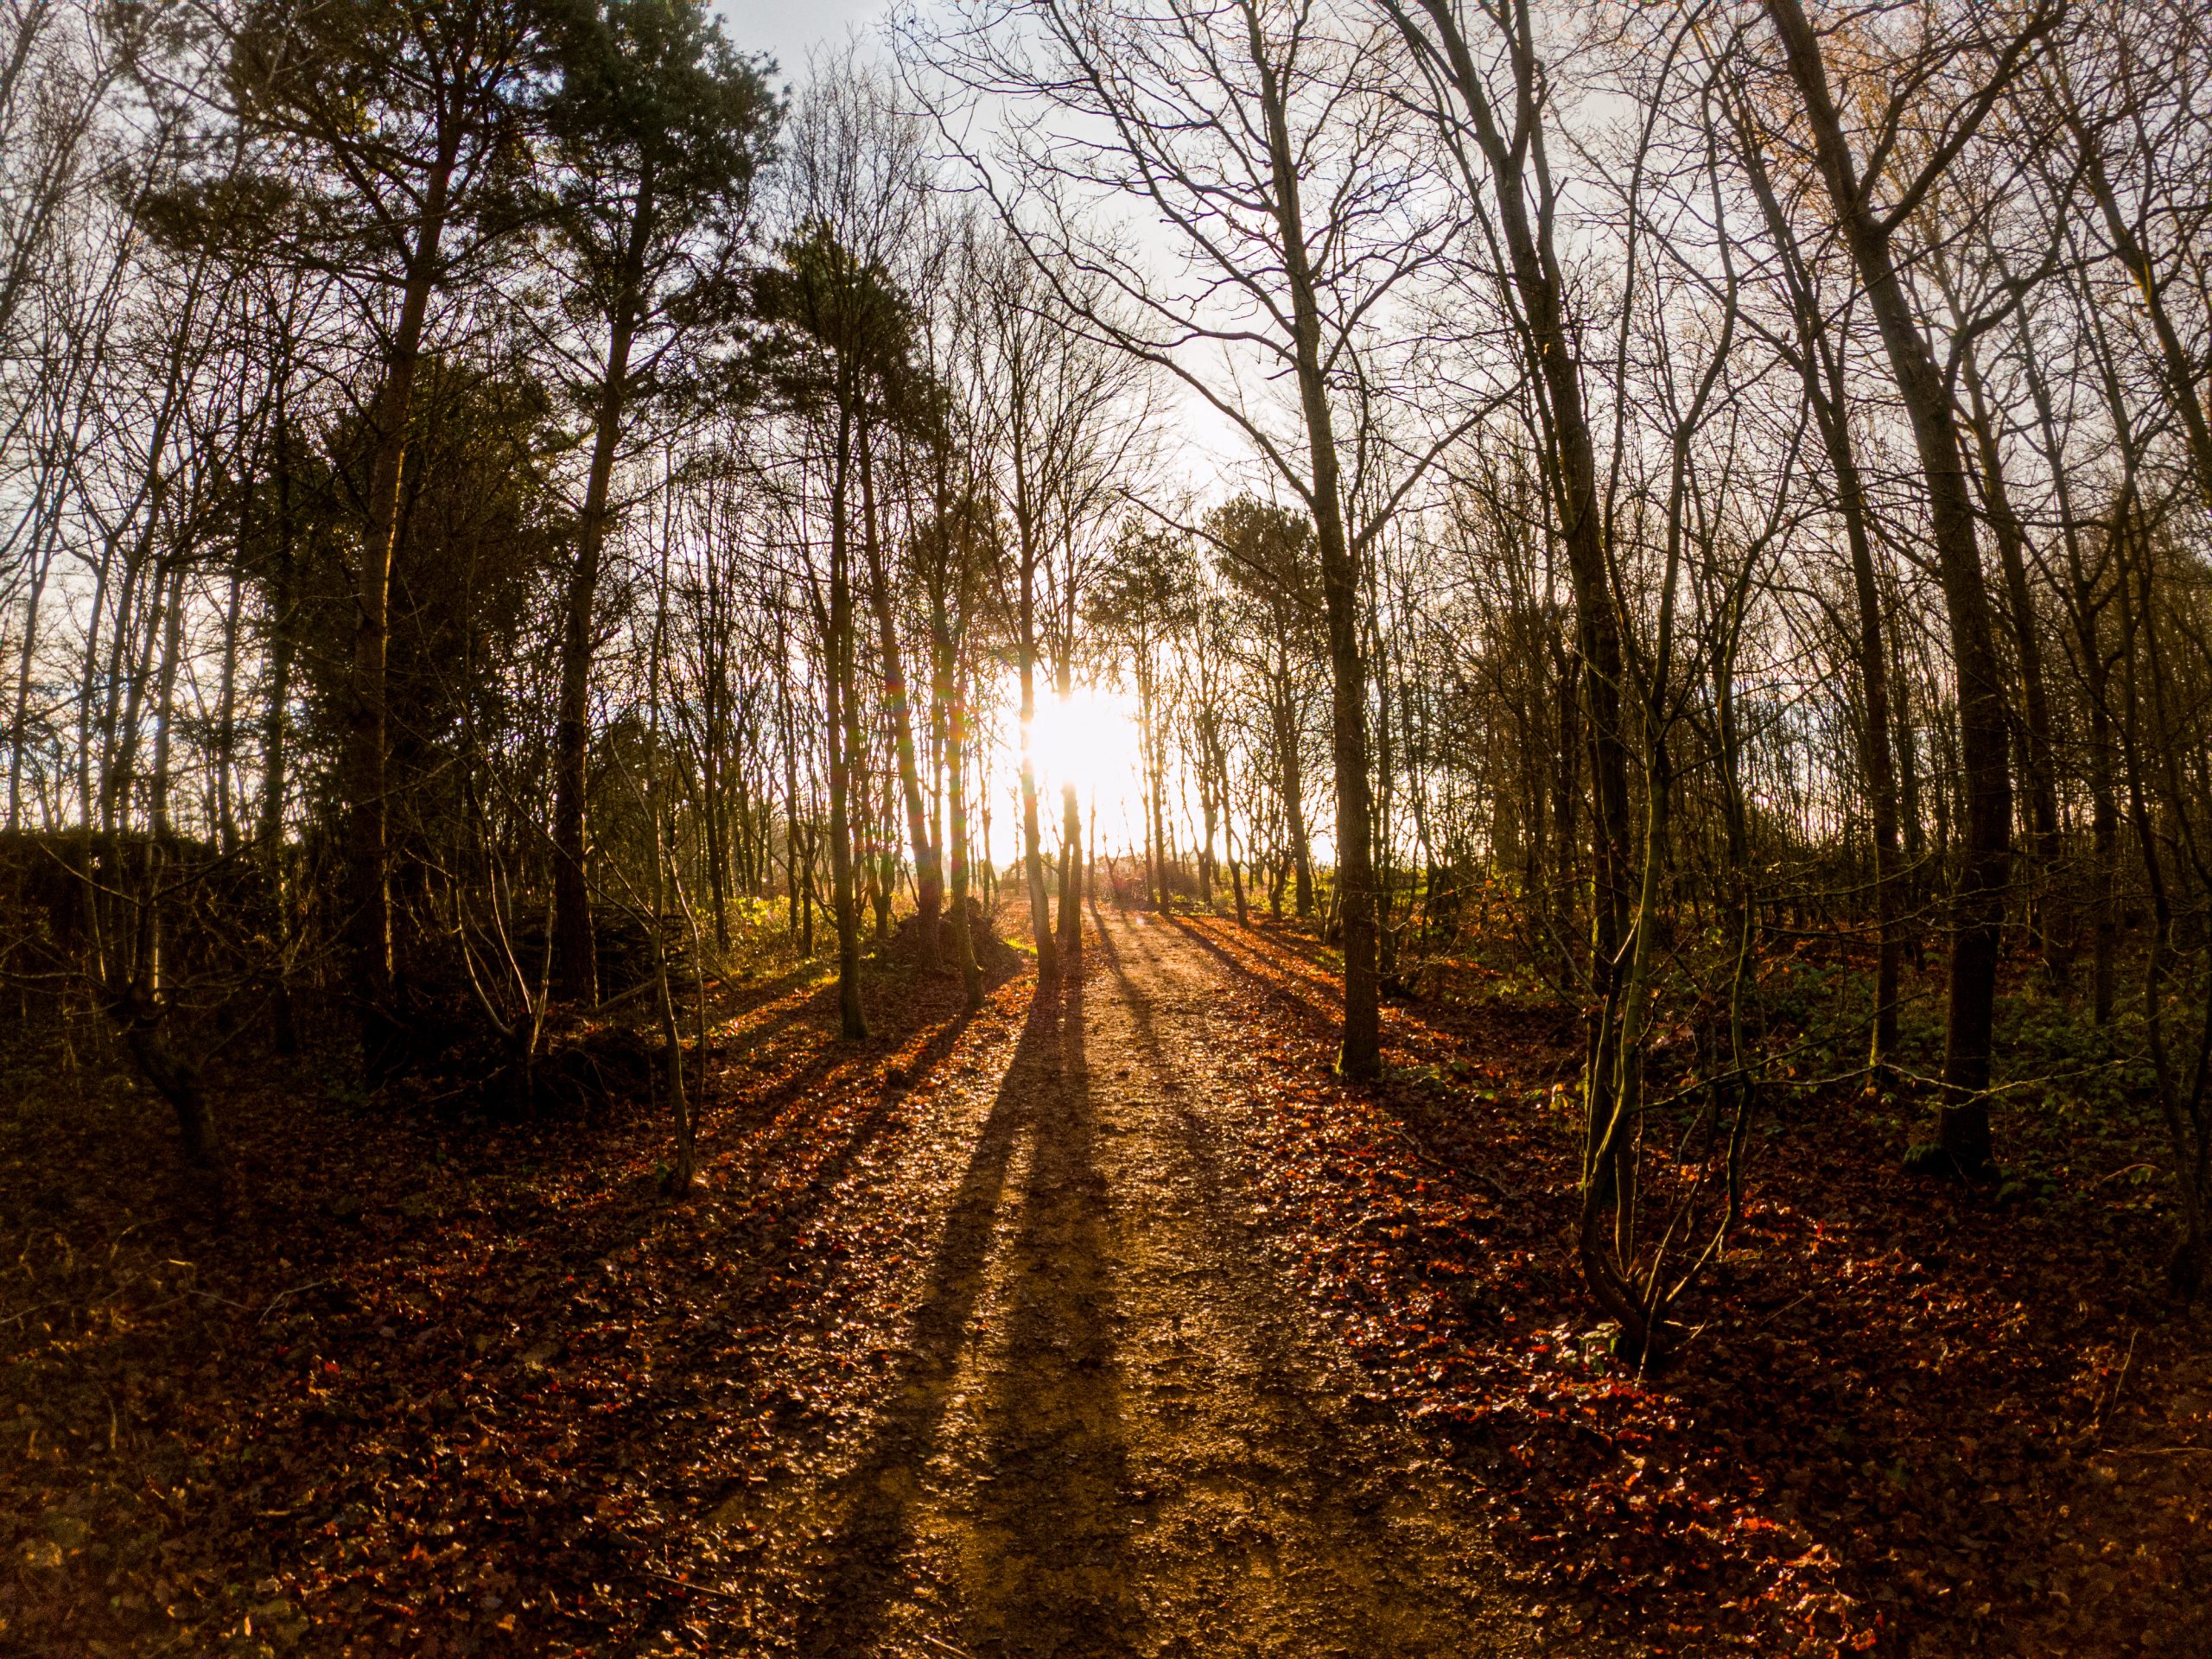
(1114, 1430)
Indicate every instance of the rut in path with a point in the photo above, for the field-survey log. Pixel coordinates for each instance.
(1116, 1430)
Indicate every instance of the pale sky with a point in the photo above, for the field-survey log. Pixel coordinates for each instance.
(1093, 743)
(788, 28)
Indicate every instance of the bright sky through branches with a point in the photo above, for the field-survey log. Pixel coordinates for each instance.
(1090, 740)
(789, 30)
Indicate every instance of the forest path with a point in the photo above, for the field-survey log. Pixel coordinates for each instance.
(1118, 1431)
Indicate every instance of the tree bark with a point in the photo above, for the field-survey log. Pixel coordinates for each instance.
(1361, 1055)
(275, 756)
(1821, 369)
(1571, 467)
(844, 738)
(144, 1008)
(2178, 373)
(368, 923)
(1291, 766)
(576, 962)
(2039, 764)
(929, 878)
(1570, 459)
(1979, 911)
(1033, 857)
(963, 934)
(2086, 598)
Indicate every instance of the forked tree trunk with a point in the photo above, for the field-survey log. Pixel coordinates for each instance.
(1361, 1055)
(368, 898)
(1979, 905)
(575, 966)
(1571, 468)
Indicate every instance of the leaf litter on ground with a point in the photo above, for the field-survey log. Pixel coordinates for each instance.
(455, 1386)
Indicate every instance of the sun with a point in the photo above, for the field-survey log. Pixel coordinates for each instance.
(1090, 739)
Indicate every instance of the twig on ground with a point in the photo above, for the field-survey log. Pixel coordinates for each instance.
(1772, 1314)
(702, 1589)
(1509, 1194)
(312, 1284)
(2125, 1169)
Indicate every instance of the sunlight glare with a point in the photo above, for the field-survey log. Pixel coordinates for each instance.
(1092, 741)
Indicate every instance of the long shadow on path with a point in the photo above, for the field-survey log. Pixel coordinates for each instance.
(1047, 1567)
(1040, 1565)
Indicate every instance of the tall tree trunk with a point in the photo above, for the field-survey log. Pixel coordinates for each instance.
(1071, 870)
(368, 897)
(963, 934)
(1571, 470)
(788, 727)
(1290, 764)
(123, 720)
(1821, 369)
(1361, 1055)
(716, 828)
(576, 964)
(276, 727)
(144, 1007)
(2181, 1102)
(1235, 874)
(2180, 375)
(1979, 909)
(1033, 857)
(665, 880)
(1071, 862)
(2104, 797)
(1207, 814)
(1155, 800)
(929, 878)
(2086, 600)
(44, 541)
(2040, 765)
(844, 736)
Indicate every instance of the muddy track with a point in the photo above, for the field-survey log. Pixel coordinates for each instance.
(1114, 1428)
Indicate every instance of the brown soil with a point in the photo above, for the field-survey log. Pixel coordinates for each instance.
(1114, 1430)
(973, 1339)
(1102, 1320)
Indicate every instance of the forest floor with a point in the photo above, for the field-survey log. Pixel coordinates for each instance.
(1103, 1321)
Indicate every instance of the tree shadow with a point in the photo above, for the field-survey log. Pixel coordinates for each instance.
(864, 1566)
(760, 1110)
(1323, 1009)
(1047, 1569)
(800, 1149)
(1286, 969)
(1042, 1569)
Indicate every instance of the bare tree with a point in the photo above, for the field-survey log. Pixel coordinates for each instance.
(1268, 146)
(1869, 229)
